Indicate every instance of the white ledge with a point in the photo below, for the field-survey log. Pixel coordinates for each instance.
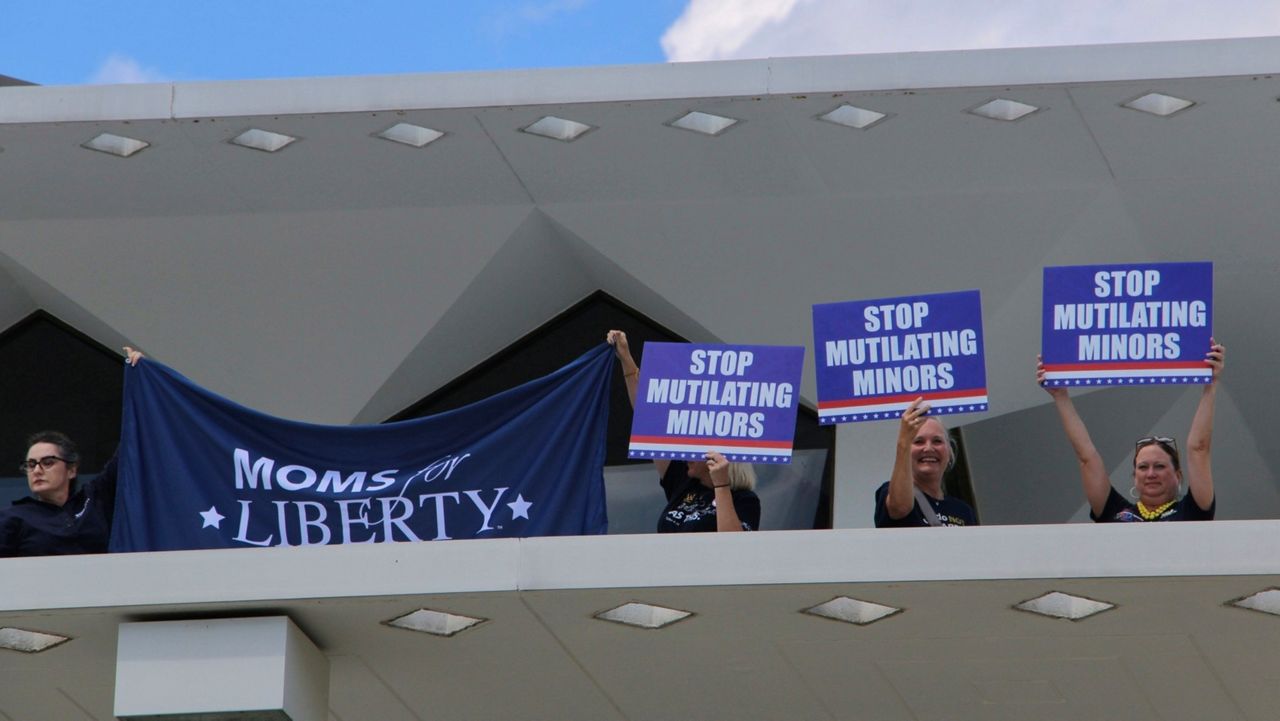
(1222, 548)
(729, 78)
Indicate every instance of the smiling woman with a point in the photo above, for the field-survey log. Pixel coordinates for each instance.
(913, 495)
(1157, 468)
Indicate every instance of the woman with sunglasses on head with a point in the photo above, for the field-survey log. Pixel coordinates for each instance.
(1157, 468)
(59, 518)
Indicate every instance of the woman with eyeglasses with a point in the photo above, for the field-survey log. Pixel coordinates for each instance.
(1157, 467)
(59, 518)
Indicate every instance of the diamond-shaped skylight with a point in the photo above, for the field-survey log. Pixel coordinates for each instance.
(17, 639)
(705, 123)
(852, 116)
(851, 610)
(1267, 601)
(410, 134)
(1158, 104)
(549, 126)
(1062, 605)
(1004, 109)
(264, 140)
(116, 144)
(437, 623)
(643, 615)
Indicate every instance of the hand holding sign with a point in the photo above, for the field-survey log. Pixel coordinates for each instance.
(1052, 390)
(912, 418)
(718, 465)
(1216, 358)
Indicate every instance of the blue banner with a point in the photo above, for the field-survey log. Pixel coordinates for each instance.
(1139, 324)
(199, 471)
(740, 400)
(874, 357)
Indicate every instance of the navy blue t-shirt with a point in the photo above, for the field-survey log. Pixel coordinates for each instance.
(951, 512)
(1118, 510)
(32, 527)
(691, 505)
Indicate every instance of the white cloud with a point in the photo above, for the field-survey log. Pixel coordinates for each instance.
(120, 69)
(724, 29)
(719, 28)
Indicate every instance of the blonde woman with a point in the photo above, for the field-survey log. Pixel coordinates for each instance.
(702, 496)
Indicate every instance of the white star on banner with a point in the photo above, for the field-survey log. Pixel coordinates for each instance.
(519, 508)
(212, 519)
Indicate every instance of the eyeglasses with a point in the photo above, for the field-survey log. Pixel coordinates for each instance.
(1166, 441)
(46, 463)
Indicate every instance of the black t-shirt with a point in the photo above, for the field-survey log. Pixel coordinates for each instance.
(691, 506)
(32, 527)
(1118, 510)
(951, 512)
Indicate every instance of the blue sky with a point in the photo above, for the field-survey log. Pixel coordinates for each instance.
(56, 42)
(70, 41)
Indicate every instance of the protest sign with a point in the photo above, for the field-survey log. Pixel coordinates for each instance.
(740, 400)
(1138, 324)
(874, 357)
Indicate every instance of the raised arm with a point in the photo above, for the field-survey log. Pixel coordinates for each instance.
(630, 376)
(1200, 437)
(630, 371)
(132, 355)
(901, 497)
(726, 513)
(1093, 474)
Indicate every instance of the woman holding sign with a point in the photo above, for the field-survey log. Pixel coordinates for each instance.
(702, 496)
(913, 496)
(1157, 468)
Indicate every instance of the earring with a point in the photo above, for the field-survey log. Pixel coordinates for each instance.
(1133, 491)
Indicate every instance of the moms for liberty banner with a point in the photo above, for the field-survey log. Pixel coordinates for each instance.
(1127, 324)
(199, 471)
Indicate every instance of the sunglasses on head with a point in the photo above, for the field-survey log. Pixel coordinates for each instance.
(1165, 441)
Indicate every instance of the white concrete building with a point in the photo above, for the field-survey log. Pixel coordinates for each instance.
(343, 278)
